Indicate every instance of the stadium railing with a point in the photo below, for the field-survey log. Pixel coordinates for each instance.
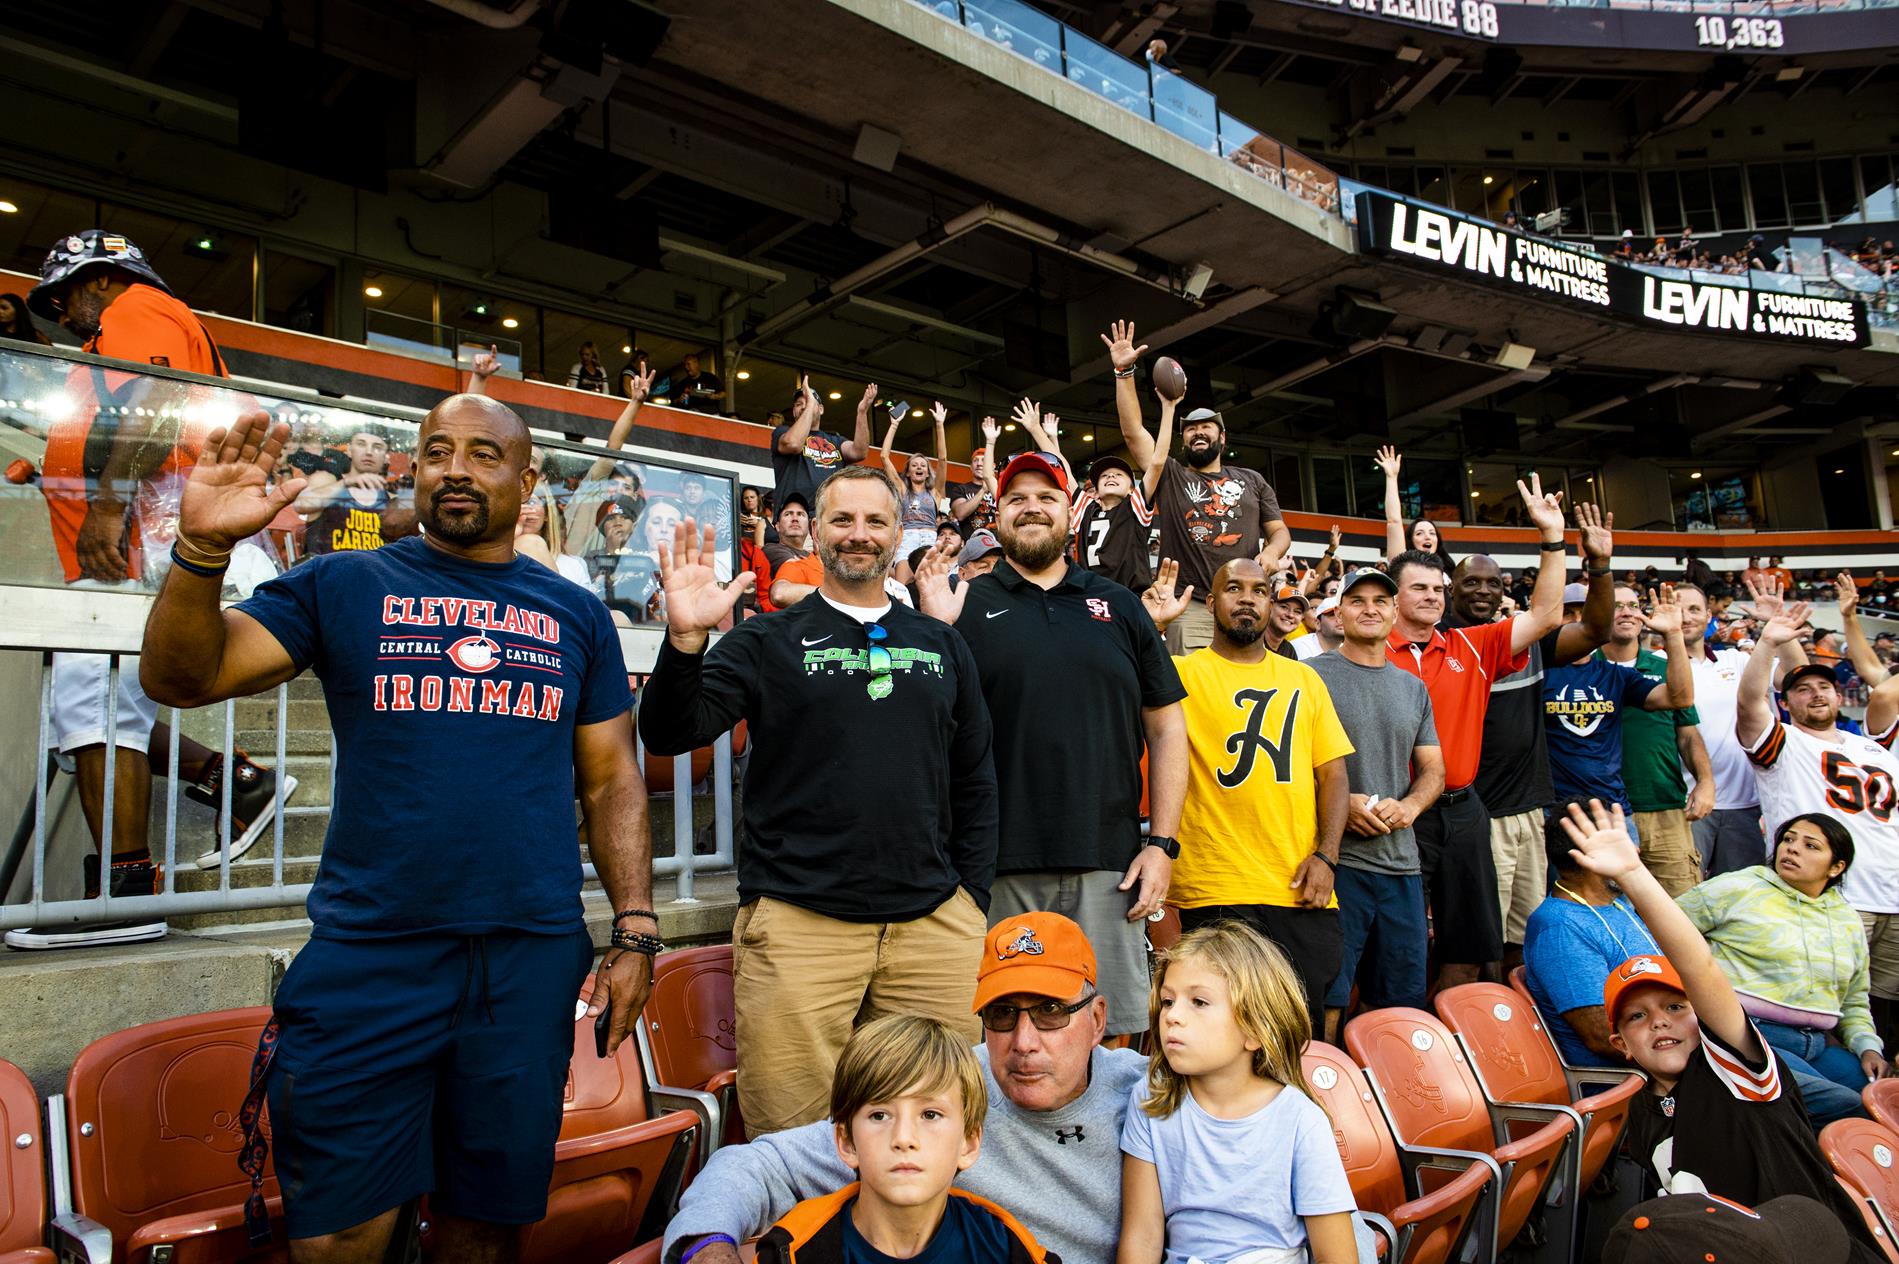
(52, 390)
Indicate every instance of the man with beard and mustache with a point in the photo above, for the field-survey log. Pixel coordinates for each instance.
(851, 905)
(1064, 651)
(1267, 792)
(421, 1039)
(1207, 512)
(1808, 764)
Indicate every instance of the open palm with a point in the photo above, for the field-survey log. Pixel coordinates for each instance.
(696, 601)
(230, 495)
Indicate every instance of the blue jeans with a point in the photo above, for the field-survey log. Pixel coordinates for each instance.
(1829, 1076)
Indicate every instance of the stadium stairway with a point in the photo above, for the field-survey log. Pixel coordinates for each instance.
(58, 1002)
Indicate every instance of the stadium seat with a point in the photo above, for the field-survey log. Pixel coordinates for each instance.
(1516, 1061)
(1864, 1154)
(152, 1128)
(1584, 1081)
(1425, 1203)
(617, 1169)
(688, 1040)
(23, 1186)
(1882, 1101)
(1432, 1098)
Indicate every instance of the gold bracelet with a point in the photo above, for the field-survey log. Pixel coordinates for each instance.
(199, 555)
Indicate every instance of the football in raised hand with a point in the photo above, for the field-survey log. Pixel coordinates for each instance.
(1169, 378)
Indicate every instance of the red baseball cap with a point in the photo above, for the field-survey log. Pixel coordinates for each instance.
(1042, 954)
(1634, 973)
(1033, 463)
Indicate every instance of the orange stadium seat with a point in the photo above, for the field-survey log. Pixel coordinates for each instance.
(1433, 1098)
(152, 1124)
(649, 1253)
(1516, 1061)
(1424, 1203)
(1882, 1101)
(617, 1168)
(23, 1187)
(688, 1039)
(1864, 1154)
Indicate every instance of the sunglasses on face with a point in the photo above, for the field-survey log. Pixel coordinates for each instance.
(1046, 1015)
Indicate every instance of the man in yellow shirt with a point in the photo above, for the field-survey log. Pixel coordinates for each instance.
(1267, 794)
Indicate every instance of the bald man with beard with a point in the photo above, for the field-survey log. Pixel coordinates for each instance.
(421, 1039)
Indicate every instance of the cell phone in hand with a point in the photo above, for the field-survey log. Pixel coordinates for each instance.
(601, 1027)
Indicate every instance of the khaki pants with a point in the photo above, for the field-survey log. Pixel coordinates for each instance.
(802, 982)
(1882, 949)
(1193, 630)
(1668, 849)
(1516, 847)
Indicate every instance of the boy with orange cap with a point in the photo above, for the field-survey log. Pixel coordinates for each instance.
(1721, 1114)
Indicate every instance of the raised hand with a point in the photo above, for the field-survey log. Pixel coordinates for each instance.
(1163, 604)
(696, 602)
(1598, 536)
(487, 363)
(1664, 613)
(1784, 626)
(990, 430)
(1600, 841)
(1848, 593)
(1545, 512)
(1768, 597)
(639, 385)
(1028, 415)
(934, 594)
(230, 495)
(1337, 535)
(869, 398)
(938, 413)
(1389, 461)
(1122, 352)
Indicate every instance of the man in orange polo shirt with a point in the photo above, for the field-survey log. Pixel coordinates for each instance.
(115, 465)
(1457, 668)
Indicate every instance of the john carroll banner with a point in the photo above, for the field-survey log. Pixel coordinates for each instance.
(1540, 267)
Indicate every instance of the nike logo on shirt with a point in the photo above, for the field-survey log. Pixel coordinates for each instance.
(993, 613)
(815, 640)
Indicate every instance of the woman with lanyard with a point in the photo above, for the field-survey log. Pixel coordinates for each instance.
(1796, 952)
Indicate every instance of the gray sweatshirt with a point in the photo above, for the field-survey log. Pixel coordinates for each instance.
(1059, 1171)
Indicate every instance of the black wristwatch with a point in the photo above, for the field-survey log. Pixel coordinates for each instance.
(1170, 847)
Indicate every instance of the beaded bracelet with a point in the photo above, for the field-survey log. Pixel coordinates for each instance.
(634, 941)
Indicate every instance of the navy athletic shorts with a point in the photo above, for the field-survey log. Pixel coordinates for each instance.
(422, 1064)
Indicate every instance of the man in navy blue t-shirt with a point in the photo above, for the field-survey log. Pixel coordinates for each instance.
(421, 1039)
(1583, 704)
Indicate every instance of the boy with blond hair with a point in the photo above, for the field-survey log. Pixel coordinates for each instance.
(907, 1109)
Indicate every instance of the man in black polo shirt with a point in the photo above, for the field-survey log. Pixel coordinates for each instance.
(1513, 778)
(870, 798)
(1077, 681)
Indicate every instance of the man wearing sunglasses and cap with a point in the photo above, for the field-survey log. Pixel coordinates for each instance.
(1051, 1142)
(870, 798)
(1078, 684)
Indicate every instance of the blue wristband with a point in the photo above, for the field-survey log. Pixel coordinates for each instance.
(705, 1242)
(195, 568)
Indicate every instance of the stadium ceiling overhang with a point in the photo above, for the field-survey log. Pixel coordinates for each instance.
(1682, 31)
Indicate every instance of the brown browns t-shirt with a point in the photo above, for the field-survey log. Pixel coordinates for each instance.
(1207, 520)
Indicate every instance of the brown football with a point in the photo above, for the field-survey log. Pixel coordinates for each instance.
(1169, 378)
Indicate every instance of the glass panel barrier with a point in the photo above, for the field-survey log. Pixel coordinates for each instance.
(1106, 73)
(1185, 108)
(1018, 27)
(64, 415)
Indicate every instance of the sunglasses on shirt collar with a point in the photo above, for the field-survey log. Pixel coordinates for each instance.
(880, 685)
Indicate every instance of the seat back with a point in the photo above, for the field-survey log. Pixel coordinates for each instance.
(153, 1119)
(1429, 1089)
(23, 1179)
(1882, 1101)
(1520, 983)
(1513, 1055)
(690, 1016)
(1865, 1154)
(1369, 1151)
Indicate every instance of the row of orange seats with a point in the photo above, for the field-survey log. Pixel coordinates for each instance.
(139, 1163)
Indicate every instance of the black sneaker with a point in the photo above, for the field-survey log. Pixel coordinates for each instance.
(129, 877)
(256, 794)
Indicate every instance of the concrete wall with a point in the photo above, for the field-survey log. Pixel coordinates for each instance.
(1791, 495)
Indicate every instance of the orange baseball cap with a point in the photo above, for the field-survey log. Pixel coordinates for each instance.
(1634, 973)
(1042, 954)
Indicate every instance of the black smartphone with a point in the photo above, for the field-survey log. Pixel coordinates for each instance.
(601, 1025)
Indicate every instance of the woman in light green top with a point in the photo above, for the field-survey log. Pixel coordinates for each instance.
(1796, 952)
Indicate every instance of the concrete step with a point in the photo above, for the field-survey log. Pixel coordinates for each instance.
(261, 744)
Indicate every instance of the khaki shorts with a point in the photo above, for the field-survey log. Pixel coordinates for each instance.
(1882, 949)
(802, 982)
(1516, 847)
(1668, 849)
(1193, 630)
(1089, 899)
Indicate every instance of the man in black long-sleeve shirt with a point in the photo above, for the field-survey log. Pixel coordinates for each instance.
(870, 798)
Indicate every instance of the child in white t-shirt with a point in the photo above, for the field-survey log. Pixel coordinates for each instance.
(1227, 1158)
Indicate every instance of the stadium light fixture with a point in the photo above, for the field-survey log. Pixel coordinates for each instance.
(626, 348)
(837, 394)
(1090, 438)
(1197, 282)
(372, 291)
(744, 375)
(8, 208)
(1696, 474)
(1490, 179)
(509, 322)
(1010, 426)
